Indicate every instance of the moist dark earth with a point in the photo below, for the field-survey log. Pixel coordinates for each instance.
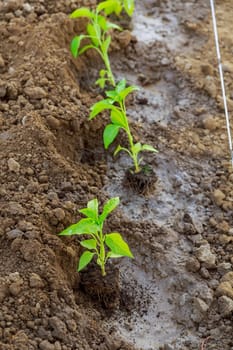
(177, 293)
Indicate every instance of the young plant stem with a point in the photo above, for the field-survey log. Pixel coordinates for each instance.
(102, 252)
(104, 55)
(109, 70)
(107, 65)
(130, 138)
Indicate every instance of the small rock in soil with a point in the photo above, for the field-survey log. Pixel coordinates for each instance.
(124, 38)
(46, 345)
(225, 305)
(224, 226)
(228, 277)
(35, 93)
(192, 264)
(67, 186)
(21, 340)
(12, 90)
(207, 69)
(27, 7)
(224, 239)
(14, 234)
(14, 277)
(200, 305)
(57, 345)
(205, 256)
(193, 220)
(59, 214)
(12, 5)
(35, 281)
(53, 122)
(15, 288)
(210, 123)
(71, 325)
(210, 86)
(199, 309)
(59, 328)
(204, 273)
(226, 289)
(218, 196)
(224, 267)
(213, 284)
(206, 294)
(30, 250)
(13, 165)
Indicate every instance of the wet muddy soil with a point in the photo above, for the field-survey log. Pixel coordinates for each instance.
(177, 293)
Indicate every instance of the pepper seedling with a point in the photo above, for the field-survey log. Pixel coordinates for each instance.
(98, 29)
(103, 246)
(116, 6)
(115, 103)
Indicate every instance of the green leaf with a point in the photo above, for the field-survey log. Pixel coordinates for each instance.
(103, 73)
(99, 107)
(124, 93)
(149, 148)
(112, 94)
(109, 7)
(103, 5)
(109, 207)
(113, 255)
(85, 259)
(129, 7)
(101, 82)
(106, 43)
(84, 226)
(102, 23)
(82, 12)
(89, 243)
(110, 133)
(93, 33)
(94, 206)
(121, 86)
(89, 213)
(117, 244)
(111, 25)
(117, 117)
(75, 44)
(137, 147)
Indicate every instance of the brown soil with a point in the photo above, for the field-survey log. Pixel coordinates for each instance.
(179, 288)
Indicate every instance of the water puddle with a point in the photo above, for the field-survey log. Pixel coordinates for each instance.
(162, 288)
(161, 292)
(157, 279)
(163, 21)
(150, 26)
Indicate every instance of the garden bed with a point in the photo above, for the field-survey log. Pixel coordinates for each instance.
(178, 289)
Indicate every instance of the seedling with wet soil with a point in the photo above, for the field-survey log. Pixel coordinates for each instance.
(101, 245)
(116, 104)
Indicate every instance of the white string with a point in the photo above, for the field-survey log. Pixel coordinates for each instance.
(221, 78)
